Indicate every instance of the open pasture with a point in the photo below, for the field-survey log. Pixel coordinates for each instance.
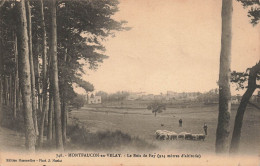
(141, 123)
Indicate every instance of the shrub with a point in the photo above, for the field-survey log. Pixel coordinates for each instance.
(81, 138)
(156, 107)
(78, 101)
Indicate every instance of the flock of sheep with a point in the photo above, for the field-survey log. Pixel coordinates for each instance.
(171, 135)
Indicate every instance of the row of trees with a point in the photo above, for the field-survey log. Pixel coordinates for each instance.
(118, 96)
(43, 45)
(211, 96)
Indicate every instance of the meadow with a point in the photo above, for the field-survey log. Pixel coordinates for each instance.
(140, 122)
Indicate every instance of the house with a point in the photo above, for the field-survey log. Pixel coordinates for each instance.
(94, 99)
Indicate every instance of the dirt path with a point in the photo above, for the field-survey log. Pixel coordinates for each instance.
(11, 140)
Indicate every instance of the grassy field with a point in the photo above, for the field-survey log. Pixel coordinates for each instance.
(140, 122)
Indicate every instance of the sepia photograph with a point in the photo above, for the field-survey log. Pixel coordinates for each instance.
(129, 82)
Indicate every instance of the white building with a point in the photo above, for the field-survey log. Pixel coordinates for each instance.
(94, 99)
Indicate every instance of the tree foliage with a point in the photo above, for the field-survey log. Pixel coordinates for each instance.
(156, 107)
(240, 79)
(78, 101)
(254, 11)
(118, 96)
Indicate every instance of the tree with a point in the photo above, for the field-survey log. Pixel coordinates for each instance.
(74, 37)
(82, 25)
(240, 78)
(26, 81)
(224, 79)
(156, 107)
(16, 78)
(34, 102)
(44, 78)
(55, 80)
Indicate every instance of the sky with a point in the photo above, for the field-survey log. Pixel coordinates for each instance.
(173, 45)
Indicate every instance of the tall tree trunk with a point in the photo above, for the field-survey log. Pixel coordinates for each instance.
(50, 119)
(53, 122)
(34, 102)
(18, 91)
(64, 122)
(26, 82)
(19, 68)
(63, 105)
(1, 70)
(0, 89)
(50, 133)
(55, 81)
(224, 79)
(44, 76)
(242, 108)
(1, 64)
(5, 89)
(15, 77)
(40, 141)
(37, 78)
(10, 91)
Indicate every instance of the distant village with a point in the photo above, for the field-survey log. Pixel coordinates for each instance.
(170, 95)
(209, 97)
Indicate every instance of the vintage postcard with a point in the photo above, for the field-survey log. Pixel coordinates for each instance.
(129, 82)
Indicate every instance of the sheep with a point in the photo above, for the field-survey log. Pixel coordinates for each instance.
(166, 135)
(201, 137)
(185, 135)
(161, 134)
(198, 137)
(182, 135)
(188, 136)
(158, 133)
(194, 136)
(172, 135)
